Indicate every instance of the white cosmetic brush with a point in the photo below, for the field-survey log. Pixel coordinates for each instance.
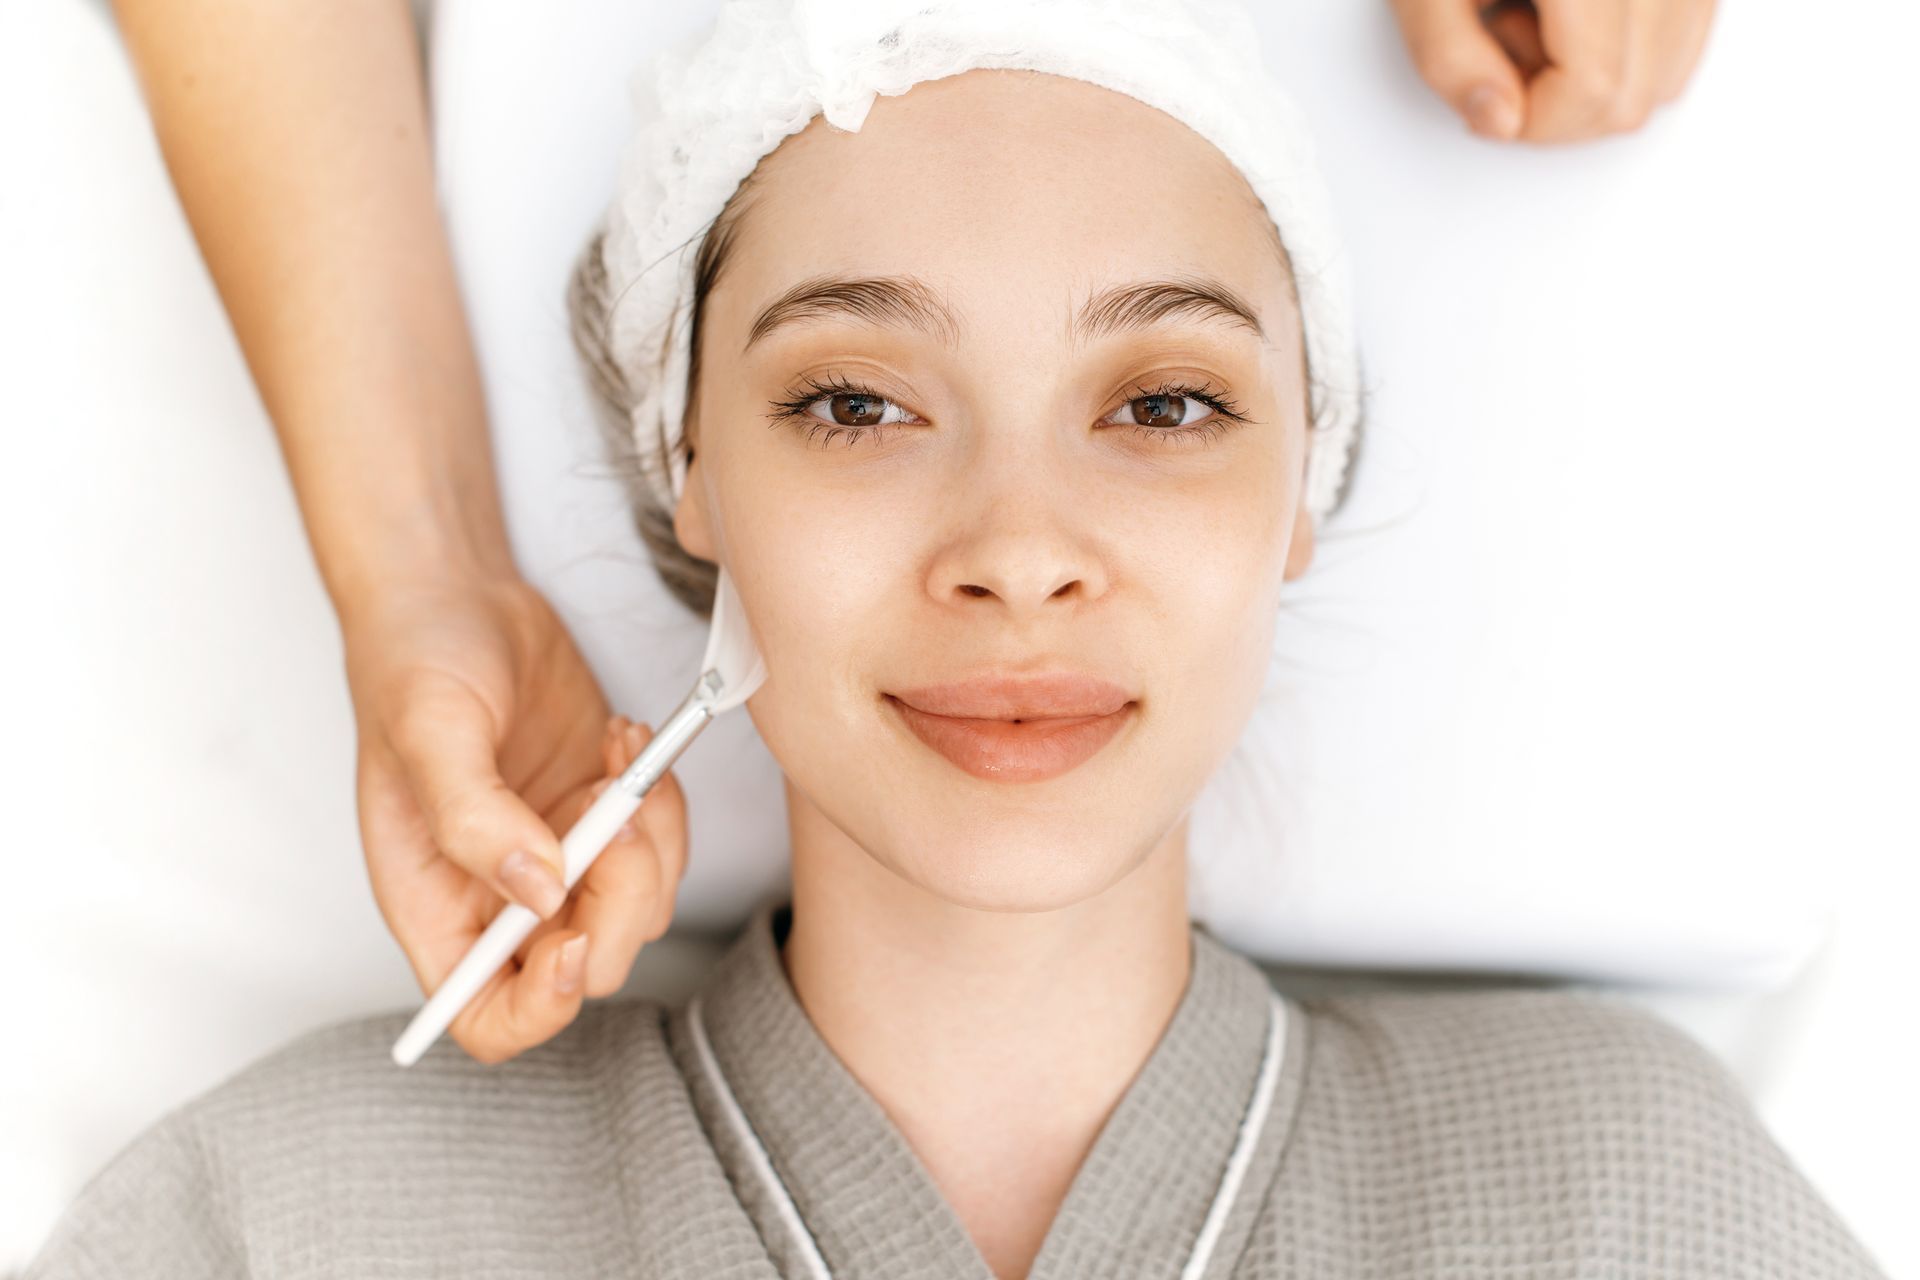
(729, 673)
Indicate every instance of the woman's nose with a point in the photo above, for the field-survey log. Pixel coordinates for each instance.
(1025, 569)
(1021, 522)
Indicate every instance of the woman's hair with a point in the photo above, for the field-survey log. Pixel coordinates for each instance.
(590, 303)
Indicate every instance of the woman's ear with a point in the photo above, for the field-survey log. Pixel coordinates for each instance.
(1300, 550)
(690, 516)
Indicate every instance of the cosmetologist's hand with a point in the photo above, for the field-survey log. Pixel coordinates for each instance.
(1555, 70)
(482, 733)
(623, 902)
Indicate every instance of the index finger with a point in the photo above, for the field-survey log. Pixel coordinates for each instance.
(525, 1004)
(1586, 43)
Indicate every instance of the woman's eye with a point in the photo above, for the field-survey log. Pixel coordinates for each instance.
(1162, 411)
(856, 409)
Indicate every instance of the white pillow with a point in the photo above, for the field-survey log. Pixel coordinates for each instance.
(1511, 724)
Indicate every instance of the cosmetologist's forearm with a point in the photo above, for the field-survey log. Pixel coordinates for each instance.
(296, 137)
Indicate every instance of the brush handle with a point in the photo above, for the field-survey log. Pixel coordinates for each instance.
(583, 843)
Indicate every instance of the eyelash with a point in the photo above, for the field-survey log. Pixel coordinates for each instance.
(1226, 414)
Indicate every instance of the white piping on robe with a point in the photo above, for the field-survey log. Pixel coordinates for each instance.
(756, 1154)
(1251, 1124)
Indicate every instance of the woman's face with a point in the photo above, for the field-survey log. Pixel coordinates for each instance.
(1024, 478)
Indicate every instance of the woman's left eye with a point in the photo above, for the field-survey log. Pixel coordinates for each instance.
(1164, 411)
(1178, 411)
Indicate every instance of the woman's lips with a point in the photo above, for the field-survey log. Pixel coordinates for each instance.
(1016, 728)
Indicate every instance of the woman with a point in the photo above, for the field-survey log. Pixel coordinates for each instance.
(984, 1037)
(297, 141)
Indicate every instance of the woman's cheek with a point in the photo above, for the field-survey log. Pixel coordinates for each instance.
(820, 603)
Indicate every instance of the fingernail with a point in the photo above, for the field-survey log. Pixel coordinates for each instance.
(571, 970)
(1490, 113)
(633, 739)
(532, 883)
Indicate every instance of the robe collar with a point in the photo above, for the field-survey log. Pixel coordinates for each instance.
(1137, 1203)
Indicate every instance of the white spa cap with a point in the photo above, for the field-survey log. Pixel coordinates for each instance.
(707, 113)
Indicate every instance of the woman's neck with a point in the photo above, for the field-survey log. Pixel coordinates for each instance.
(997, 1042)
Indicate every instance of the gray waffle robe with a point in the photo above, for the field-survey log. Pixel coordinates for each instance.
(1497, 1133)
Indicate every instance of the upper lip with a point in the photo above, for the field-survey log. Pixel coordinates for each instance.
(1052, 696)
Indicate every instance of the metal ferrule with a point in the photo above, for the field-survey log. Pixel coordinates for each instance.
(673, 736)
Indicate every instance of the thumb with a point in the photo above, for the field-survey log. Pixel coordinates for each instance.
(1462, 62)
(444, 740)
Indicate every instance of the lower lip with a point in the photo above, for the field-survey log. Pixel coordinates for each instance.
(1002, 751)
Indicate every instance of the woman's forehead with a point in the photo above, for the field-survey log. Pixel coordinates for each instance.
(939, 220)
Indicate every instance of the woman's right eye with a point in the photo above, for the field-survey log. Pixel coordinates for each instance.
(856, 409)
(851, 409)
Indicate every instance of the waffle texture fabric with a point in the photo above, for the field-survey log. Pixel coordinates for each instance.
(1478, 1135)
(706, 113)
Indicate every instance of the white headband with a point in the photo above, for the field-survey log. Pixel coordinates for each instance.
(709, 112)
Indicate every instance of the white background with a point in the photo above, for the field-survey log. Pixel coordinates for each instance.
(1713, 437)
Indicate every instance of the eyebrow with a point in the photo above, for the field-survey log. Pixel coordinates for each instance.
(909, 302)
(1146, 303)
(883, 301)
